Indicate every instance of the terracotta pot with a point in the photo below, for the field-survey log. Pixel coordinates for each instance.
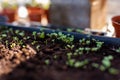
(116, 25)
(35, 13)
(10, 13)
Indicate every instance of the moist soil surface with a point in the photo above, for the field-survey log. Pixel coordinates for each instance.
(40, 56)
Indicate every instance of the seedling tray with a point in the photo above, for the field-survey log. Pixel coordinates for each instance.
(77, 36)
(56, 56)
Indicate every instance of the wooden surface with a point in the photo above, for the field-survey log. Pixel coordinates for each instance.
(98, 14)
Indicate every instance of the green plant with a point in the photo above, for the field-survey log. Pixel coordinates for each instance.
(94, 49)
(6, 43)
(69, 55)
(113, 71)
(3, 35)
(47, 61)
(42, 35)
(107, 61)
(37, 47)
(70, 62)
(95, 65)
(65, 38)
(118, 50)
(79, 31)
(69, 29)
(79, 64)
(34, 42)
(34, 33)
(106, 65)
(17, 31)
(99, 44)
(60, 36)
(79, 51)
(22, 33)
(70, 46)
(55, 56)
(13, 45)
(87, 49)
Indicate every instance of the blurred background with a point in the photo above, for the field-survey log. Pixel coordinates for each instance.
(90, 15)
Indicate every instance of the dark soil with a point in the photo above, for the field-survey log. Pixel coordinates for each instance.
(38, 56)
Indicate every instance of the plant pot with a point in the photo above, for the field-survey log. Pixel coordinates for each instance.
(116, 25)
(10, 13)
(35, 13)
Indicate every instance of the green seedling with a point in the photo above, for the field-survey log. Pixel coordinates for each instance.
(79, 64)
(70, 62)
(70, 46)
(17, 31)
(79, 51)
(3, 35)
(6, 43)
(113, 71)
(42, 35)
(47, 61)
(37, 47)
(99, 44)
(16, 39)
(22, 33)
(87, 49)
(34, 42)
(95, 65)
(88, 42)
(34, 34)
(107, 61)
(69, 55)
(94, 49)
(79, 31)
(13, 45)
(118, 50)
(69, 29)
(55, 56)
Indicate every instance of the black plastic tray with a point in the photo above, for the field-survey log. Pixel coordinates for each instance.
(107, 40)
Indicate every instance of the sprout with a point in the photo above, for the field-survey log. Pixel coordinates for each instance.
(102, 68)
(42, 35)
(95, 65)
(106, 61)
(33, 42)
(3, 35)
(22, 33)
(69, 55)
(69, 29)
(94, 49)
(79, 31)
(17, 31)
(79, 50)
(99, 44)
(113, 71)
(70, 62)
(55, 56)
(37, 47)
(88, 42)
(118, 50)
(70, 46)
(79, 64)
(87, 49)
(13, 45)
(34, 34)
(47, 61)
